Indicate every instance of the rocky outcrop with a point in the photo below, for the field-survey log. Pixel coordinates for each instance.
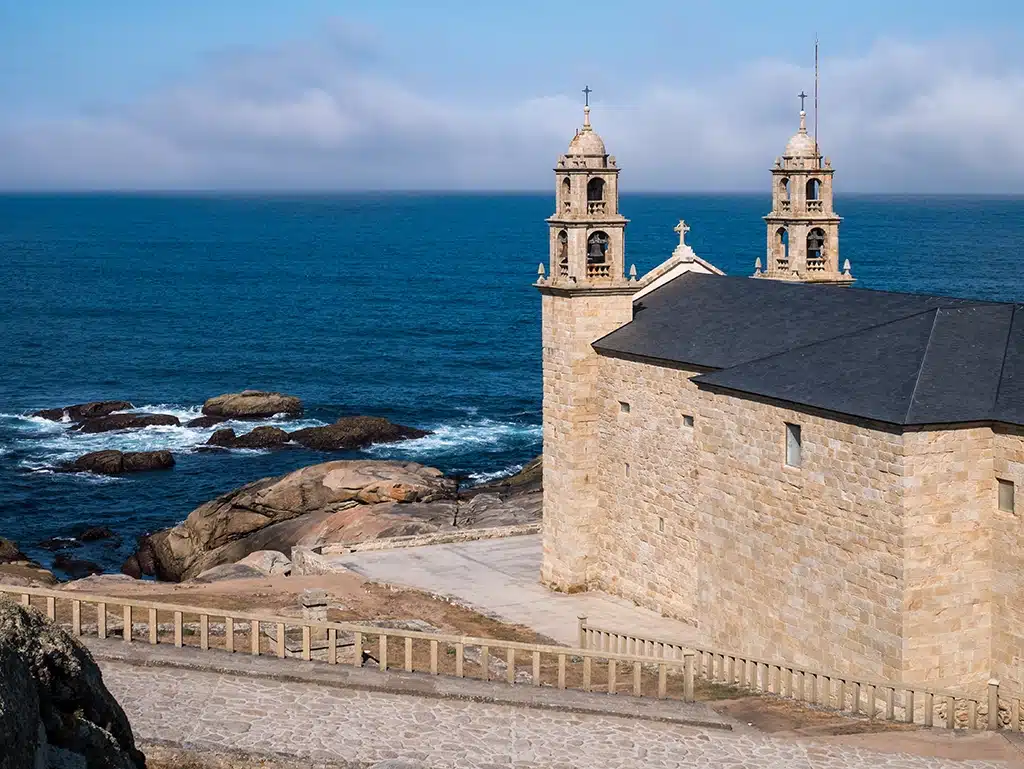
(81, 411)
(113, 462)
(126, 422)
(252, 404)
(279, 513)
(260, 438)
(54, 708)
(96, 533)
(354, 433)
(16, 568)
(262, 563)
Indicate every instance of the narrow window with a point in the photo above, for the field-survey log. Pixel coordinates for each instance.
(687, 420)
(624, 407)
(661, 525)
(1006, 496)
(792, 445)
(627, 469)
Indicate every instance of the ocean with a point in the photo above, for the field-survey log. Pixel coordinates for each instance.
(414, 307)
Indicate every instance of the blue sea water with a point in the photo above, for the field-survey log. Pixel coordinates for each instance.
(415, 307)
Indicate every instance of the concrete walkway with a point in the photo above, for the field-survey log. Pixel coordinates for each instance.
(218, 711)
(500, 577)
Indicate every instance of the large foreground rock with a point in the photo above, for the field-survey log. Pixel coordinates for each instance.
(354, 433)
(252, 404)
(113, 462)
(277, 513)
(55, 711)
(126, 422)
(80, 411)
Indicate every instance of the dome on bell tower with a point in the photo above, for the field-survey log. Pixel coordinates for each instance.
(586, 141)
(801, 145)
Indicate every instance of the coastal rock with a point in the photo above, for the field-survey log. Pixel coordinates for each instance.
(76, 568)
(279, 513)
(111, 462)
(126, 422)
(228, 571)
(260, 438)
(270, 562)
(80, 411)
(54, 708)
(354, 433)
(252, 404)
(205, 421)
(16, 568)
(96, 533)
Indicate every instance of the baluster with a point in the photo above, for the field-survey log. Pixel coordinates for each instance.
(510, 665)
(101, 620)
(357, 647)
(254, 640)
(587, 662)
(972, 714)
(126, 634)
(688, 678)
(611, 676)
(433, 657)
(281, 649)
(637, 682)
(561, 671)
(154, 628)
(307, 644)
(908, 715)
(929, 708)
(382, 643)
(870, 691)
(51, 607)
(459, 659)
(951, 712)
(536, 668)
(485, 663)
(662, 680)
(332, 646)
(177, 630)
(408, 654)
(890, 704)
(76, 618)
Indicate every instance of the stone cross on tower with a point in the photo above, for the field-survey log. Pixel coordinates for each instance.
(586, 95)
(682, 228)
(802, 97)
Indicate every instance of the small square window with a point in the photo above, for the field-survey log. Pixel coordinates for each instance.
(687, 420)
(661, 525)
(1005, 496)
(793, 445)
(624, 407)
(627, 469)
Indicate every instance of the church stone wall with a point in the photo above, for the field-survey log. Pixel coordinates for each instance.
(647, 546)
(800, 563)
(1007, 559)
(949, 505)
(572, 514)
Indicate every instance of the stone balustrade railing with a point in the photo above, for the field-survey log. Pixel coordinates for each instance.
(846, 694)
(214, 630)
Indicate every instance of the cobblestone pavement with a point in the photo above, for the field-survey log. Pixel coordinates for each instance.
(216, 711)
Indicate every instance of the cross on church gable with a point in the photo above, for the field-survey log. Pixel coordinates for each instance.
(682, 228)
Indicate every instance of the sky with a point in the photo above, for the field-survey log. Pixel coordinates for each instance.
(326, 95)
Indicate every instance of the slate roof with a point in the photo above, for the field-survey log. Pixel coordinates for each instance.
(903, 359)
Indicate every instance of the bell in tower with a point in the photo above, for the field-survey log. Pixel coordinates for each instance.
(803, 228)
(587, 232)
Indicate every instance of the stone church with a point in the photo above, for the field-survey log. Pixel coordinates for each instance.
(805, 470)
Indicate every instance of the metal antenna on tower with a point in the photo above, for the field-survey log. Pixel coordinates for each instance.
(817, 152)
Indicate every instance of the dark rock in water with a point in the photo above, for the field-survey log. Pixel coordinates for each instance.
(113, 462)
(126, 422)
(54, 708)
(76, 568)
(143, 561)
(224, 437)
(355, 433)
(252, 404)
(59, 543)
(81, 411)
(260, 438)
(205, 421)
(96, 533)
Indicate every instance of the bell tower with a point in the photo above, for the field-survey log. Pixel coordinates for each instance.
(803, 228)
(584, 297)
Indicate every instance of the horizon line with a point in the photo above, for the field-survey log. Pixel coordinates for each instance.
(440, 191)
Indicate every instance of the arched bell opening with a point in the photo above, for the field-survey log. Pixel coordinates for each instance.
(595, 197)
(813, 190)
(562, 254)
(566, 194)
(598, 256)
(784, 203)
(781, 248)
(816, 242)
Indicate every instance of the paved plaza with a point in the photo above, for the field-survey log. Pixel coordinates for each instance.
(500, 577)
(227, 712)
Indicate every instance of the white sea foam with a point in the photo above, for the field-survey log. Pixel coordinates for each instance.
(50, 443)
(481, 478)
(450, 438)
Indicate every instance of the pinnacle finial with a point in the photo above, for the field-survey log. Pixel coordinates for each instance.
(540, 270)
(632, 272)
(846, 267)
(757, 266)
